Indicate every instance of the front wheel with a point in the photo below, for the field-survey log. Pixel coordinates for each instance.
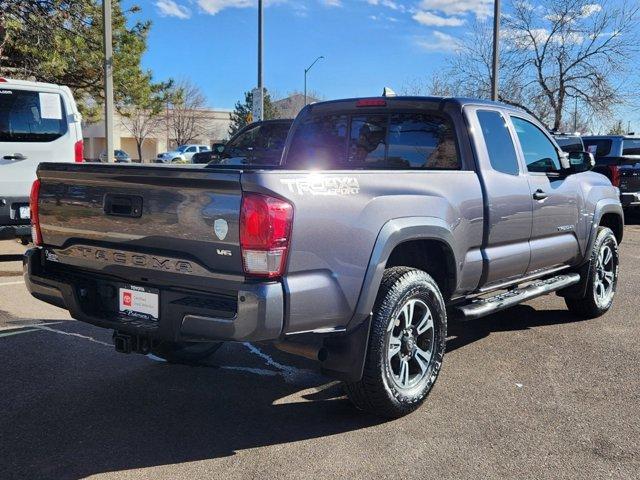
(602, 278)
(406, 345)
(187, 353)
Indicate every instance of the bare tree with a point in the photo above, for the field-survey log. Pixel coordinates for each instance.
(552, 55)
(141, 123)
(187, 115)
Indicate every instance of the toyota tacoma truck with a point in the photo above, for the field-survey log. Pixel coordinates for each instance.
(384, 218)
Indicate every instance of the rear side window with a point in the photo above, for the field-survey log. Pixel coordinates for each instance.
(599, 148)
(631, 146)
(378, 141)
(27, 116)
(502, 153)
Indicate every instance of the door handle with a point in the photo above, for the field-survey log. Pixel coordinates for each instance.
(15, 156)
(540, 195)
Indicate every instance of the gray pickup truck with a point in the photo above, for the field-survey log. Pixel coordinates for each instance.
(384, 218)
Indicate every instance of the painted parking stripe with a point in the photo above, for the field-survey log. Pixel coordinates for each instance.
(17, 282)
(18, 332)
(29, 325)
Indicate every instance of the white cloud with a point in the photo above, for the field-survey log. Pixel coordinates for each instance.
(214, 6)
(386, 3)
(480, 8)
(169, 8)
(590, 9)
(439, 42)
(332, 3)
(433, 20)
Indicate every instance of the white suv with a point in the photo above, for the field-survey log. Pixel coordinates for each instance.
(38, 122)
(182, 154)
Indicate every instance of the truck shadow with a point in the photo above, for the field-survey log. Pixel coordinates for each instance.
(520, 317)
(94, 411)
(72, 408)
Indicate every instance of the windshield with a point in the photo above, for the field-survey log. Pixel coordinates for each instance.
(31, 116)
(260, 145)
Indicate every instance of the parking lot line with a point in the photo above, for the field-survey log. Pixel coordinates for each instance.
(18, 332)
(16, 282)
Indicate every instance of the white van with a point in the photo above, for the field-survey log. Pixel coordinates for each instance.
(38, 122)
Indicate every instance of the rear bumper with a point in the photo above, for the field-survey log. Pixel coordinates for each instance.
(252, 313)
(11, 225)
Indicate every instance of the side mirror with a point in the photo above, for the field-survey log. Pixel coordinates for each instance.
(581, 162)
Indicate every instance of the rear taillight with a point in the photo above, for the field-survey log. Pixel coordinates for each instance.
(3, 80)
(36, 235)
(78, 150)
(265, 230)
(615, 175)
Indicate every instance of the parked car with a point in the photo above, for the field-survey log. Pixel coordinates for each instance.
(618, 158)
(181, 154)
(569, 142)
(383, 218)
(119, 156)
(259, 143)
(38, 122)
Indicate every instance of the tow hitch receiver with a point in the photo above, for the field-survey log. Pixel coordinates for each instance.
(126, 343)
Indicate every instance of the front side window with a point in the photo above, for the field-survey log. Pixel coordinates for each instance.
(27, 116)
(540, 155)
(631, 146)
(598, 147)
(500, 148)
(191, 149)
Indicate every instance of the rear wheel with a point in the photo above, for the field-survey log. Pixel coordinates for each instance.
(406, 345)
(602, 278)
(187, 353)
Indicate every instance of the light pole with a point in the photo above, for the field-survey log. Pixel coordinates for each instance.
(108, 78)
(496, 50)
(306, 70)
(260, 77)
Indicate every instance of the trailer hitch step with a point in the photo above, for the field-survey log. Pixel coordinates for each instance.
(486, 306)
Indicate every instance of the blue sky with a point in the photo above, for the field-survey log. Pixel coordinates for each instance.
(367, 44)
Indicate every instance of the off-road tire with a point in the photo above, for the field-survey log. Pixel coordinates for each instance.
(588, 306)
(185, 353)
(376, 392)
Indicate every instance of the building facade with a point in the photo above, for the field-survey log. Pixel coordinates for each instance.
(213, 127)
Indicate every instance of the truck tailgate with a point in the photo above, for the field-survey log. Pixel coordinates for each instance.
(110, 217)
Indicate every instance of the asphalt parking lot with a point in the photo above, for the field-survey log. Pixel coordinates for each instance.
(527, 393)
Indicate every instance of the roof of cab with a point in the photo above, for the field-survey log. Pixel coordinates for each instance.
(28, 83)
(459, 101)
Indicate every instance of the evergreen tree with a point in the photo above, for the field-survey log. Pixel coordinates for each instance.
(241, 115)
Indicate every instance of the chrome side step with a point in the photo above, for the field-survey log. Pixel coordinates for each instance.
(486, 306)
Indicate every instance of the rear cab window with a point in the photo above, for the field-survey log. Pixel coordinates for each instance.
(30, 116)
(394, 140)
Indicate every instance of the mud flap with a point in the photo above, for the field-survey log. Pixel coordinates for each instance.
(578, 290)
(346, 353)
